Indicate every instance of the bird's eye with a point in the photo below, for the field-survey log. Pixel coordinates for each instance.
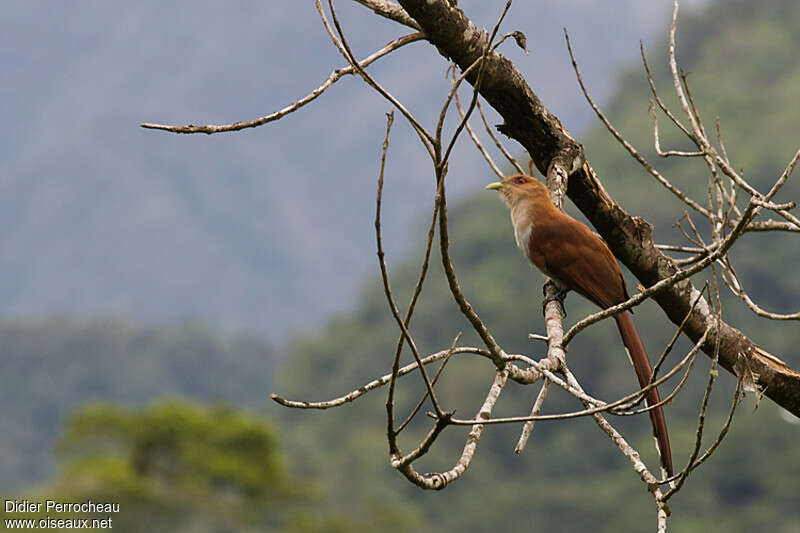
(519, 180)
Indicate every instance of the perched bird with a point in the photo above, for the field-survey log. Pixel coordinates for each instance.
(568, 252)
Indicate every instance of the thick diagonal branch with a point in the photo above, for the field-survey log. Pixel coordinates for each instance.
(630, 238)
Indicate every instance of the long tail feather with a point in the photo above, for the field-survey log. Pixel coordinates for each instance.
(641, 365)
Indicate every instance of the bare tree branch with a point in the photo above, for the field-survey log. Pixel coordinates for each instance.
(497, 142)
(344, 49)
(385, 274)
(376, 383)
(634, 153)
(335, 76)
(439, 481)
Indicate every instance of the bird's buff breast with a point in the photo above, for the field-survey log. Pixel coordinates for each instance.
(522, 234)
(523, 222)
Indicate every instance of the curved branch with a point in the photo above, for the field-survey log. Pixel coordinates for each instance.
(440, 480)
(335, 76)
(376, 383)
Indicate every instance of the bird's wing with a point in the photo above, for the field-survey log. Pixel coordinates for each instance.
(570, 252)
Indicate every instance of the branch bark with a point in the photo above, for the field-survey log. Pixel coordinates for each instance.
(630, 238)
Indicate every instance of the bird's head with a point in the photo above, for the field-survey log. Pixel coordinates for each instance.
(519, 188)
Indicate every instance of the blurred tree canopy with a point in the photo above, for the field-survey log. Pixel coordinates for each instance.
(185, 467)
(52, 365)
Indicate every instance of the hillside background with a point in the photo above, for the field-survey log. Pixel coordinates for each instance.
(170, 241)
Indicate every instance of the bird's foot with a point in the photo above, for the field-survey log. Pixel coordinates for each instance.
(554, 292)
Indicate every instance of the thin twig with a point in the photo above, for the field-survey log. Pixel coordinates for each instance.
(631, 150)
(657, 143)
(476, 86)
(496, 140)
(678, 481)
(661, 105)
(376, 383)
(678, 331)
(691, 356)
(464, 116)
(527, 428)
(421, 402)
(335, 76)
(737, 288)
(486, 156)
(723, 248)
(439, 481)
(344, 49)
(599, 407)
(385, 274)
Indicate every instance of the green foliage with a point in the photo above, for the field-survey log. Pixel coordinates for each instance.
(182, 445)
(81, 361)
(180, 466)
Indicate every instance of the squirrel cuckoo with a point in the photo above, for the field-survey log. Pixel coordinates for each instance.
(567, 251)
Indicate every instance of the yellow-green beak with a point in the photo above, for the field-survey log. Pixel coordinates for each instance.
(496, 186)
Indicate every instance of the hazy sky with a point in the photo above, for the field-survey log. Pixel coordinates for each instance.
(266, 229)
